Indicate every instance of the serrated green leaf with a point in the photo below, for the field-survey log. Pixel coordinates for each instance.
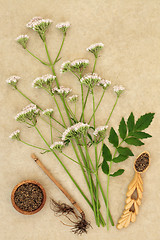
(144, 121)
(107, 156)
(120, 158)
(130, 123)
(113, 137)
(141, 135)
(105, 167)
(122, 129)
(134, 141)
(125, 151)
(117, 173)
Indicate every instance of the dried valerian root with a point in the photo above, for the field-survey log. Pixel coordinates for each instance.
(80, 226)
(61, 208)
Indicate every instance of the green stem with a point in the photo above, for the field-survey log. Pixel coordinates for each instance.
(59, 110)
(37, 57)
(49, 124)
(31, 145)
(100, 186)
(95, 61)
(112, 110)
(70, 110)
(82, 114)
(82, 102)
(97, 106)
(51, 131)
(64, 35)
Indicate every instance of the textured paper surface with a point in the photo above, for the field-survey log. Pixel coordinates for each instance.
(130, 31)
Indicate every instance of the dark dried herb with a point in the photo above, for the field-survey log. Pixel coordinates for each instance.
(28, 197)
(142, 162)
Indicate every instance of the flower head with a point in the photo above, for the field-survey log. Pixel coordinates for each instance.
(48, 112)
(104, 83)
(118, 90)
(79, 64)
(22, 40)
(65, 67)
(13, 80)
(39, 25)
(95, 48)
(90, 80)
(15, 135)
(76, 130)
(63, 26)
(62, 91)
(57, 146)
(30, 112)
(73, 98)
(45, 80)
(100, 132)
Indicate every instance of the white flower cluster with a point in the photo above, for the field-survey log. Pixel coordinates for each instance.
(13, 80)
(22, 40)
(75, 131)
(118, 90)
(73, 98)
(39, 24)
(61, 91)
(79, 63)
(29, 112)
(48, 112)
(95, 48)
(40, 82)
(15, 135)
(104, 83)
(57, 146)
(90, 80)
(63, 26)
(100, 131)
(65, 67)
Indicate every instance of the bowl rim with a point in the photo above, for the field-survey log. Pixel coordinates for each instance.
(148, 164)
(27, 212)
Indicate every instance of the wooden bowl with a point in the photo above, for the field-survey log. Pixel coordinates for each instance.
(23, 211)
(144, 170)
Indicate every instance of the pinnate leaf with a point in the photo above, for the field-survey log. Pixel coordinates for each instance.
(105, 167)
(122, 129)
(130, 123)
(107, 156)
(113, 137)
(125, 151)
(117, 173)
(144, 121)
(134, 141)
(120, 158)
(141, 135)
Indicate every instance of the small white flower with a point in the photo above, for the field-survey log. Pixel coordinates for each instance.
(118, 90)
(75, 131)
(22, 40)
(63, 26)
(65, 67)
(29, 112)
(61, 91)
(13, 80)
(95, 48)
(40, 82)
(15, 135)
(90, 80)
(79, 63)
(73, 98)
(100, 131)
(104, 83)
(48, 112)
(39, 24)
(57, 145)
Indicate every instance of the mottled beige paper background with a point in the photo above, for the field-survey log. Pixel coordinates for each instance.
(130, 30)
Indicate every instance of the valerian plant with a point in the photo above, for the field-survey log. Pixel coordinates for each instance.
(78, 131)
